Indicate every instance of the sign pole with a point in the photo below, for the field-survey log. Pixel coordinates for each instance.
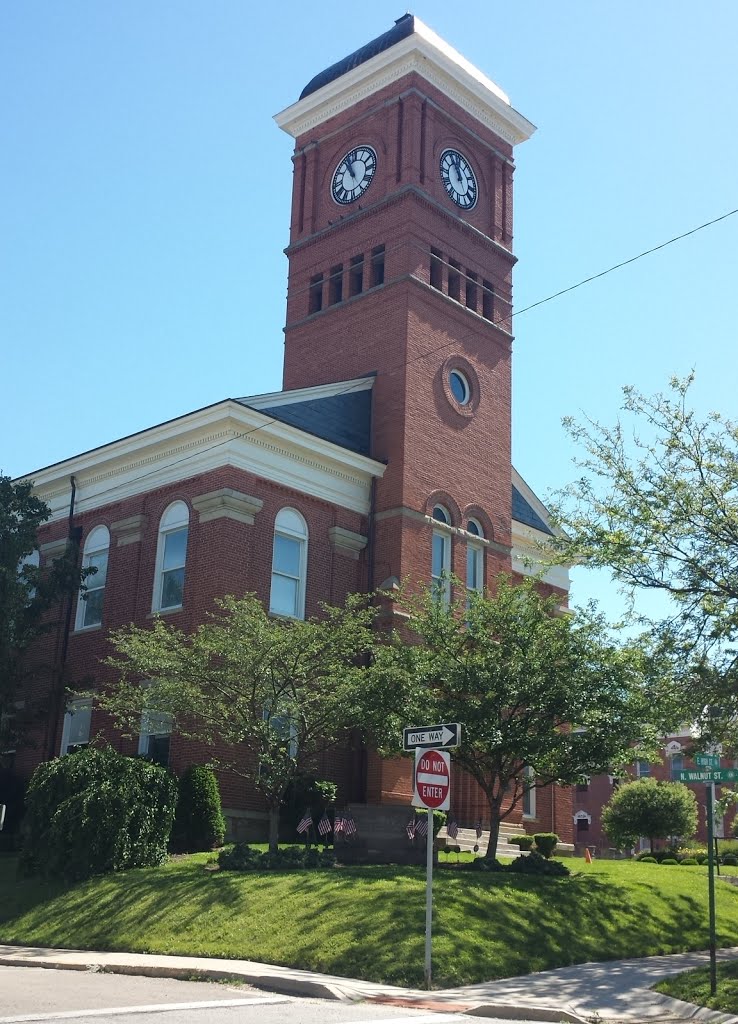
(711, 886)
(428, 900)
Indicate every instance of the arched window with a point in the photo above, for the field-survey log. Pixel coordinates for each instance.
(289, 565)
(171, 555)
(529, 793)
(441, 556)
(474, 558)
(94, 556)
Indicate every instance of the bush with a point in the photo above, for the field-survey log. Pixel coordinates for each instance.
(702, 858)
(243, 857)
(646, 858)
(306, 792)
(668, 860)
(439, 819)
(524, 842)
(96, 811)
(536, 864)
(546, 843)
(650, 808)
(199, 823)
(688, 862)
(729, 859)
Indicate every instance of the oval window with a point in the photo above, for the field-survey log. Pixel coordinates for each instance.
(459, 387)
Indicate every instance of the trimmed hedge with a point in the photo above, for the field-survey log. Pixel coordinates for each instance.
(95, 811)
(243, 857)
(523, 841)
(199, 823)
(546, 843)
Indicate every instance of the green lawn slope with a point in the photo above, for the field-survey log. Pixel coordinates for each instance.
(368, 922)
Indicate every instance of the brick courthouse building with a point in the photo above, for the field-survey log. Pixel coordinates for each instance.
(387, 454)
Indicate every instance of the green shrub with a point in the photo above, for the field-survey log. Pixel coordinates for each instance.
(199, 823)
(702, 858)
(536, 864)
(546, 843)
(668, 860)
(524, 842)
(482, 864)
(439, 819)
(688, 862)
(729, 859)
(96, 811)
(242, 857)
(646, 858)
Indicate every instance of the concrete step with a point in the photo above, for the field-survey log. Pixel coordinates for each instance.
(466, 840)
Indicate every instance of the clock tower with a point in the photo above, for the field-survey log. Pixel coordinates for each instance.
(400, 264)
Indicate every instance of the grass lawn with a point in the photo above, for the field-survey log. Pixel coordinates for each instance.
(368, 922)
(694, 986)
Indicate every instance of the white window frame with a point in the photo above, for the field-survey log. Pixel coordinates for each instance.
(80, 705)
(672, 769)
(642, 775)
(441, 584)
(581, 816)
(531, 796)
(146, 731)
(290, 524)
(475, 556)
(97, 542)
(176, 519)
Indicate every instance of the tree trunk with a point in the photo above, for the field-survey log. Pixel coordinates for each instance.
(273, 827)
(494, 828)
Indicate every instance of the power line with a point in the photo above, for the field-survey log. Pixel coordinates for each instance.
(455, 341)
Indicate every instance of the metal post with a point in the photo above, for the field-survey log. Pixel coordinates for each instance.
(429, 900)
(711, 886)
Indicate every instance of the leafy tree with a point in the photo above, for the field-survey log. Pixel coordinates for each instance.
(650, 808)
(542, 696)
(27, 593)
(281, 690)
(658, 506)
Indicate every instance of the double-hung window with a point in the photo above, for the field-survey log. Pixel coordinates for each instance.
(155, 736)
(95, 556)
(171, 556)
(474, 558)
(76, 728)
(289, 565)
(441, 556)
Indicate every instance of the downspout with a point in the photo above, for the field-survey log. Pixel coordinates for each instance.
(74, 534)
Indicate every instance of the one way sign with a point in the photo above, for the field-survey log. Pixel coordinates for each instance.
(433, 737)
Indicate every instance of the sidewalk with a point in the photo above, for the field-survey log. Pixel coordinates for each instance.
(615, 990)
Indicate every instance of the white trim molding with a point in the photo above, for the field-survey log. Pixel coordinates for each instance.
(346, 542)
(429, 56)
(225, 503)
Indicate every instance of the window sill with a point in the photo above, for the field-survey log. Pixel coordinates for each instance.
(156, 612)
(87, 629)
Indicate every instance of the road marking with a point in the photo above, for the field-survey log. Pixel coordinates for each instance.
(206, 1004)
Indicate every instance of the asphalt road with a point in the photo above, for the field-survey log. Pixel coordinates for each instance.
(35, 994)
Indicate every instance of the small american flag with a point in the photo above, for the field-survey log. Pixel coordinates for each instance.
(349, 826)
(410, 829)
(478, 828)
(324, 825)
(422, 827)
(305, 822)
(452, 829)
(339, 823)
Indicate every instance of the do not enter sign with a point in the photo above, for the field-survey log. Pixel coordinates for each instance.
(433, 779)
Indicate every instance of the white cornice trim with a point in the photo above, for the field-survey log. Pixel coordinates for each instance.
(226, 434)
(428, 55)
(530, 557)
(279, 398)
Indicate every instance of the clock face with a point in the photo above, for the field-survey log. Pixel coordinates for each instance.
(458, 179)
(354, 175)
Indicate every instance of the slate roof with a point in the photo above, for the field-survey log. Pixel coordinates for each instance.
(402, 28)
(524, 513)
(342, 419)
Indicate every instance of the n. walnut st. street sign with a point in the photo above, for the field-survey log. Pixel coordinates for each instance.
(708, 775)
(432, 737)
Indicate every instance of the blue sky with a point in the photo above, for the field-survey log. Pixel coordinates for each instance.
(145, 192)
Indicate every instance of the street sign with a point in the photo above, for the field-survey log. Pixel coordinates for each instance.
(708, 775)
(433, 737)
(433, 779)
(707, 760)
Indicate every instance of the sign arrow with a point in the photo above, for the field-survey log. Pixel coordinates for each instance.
(432, 737)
